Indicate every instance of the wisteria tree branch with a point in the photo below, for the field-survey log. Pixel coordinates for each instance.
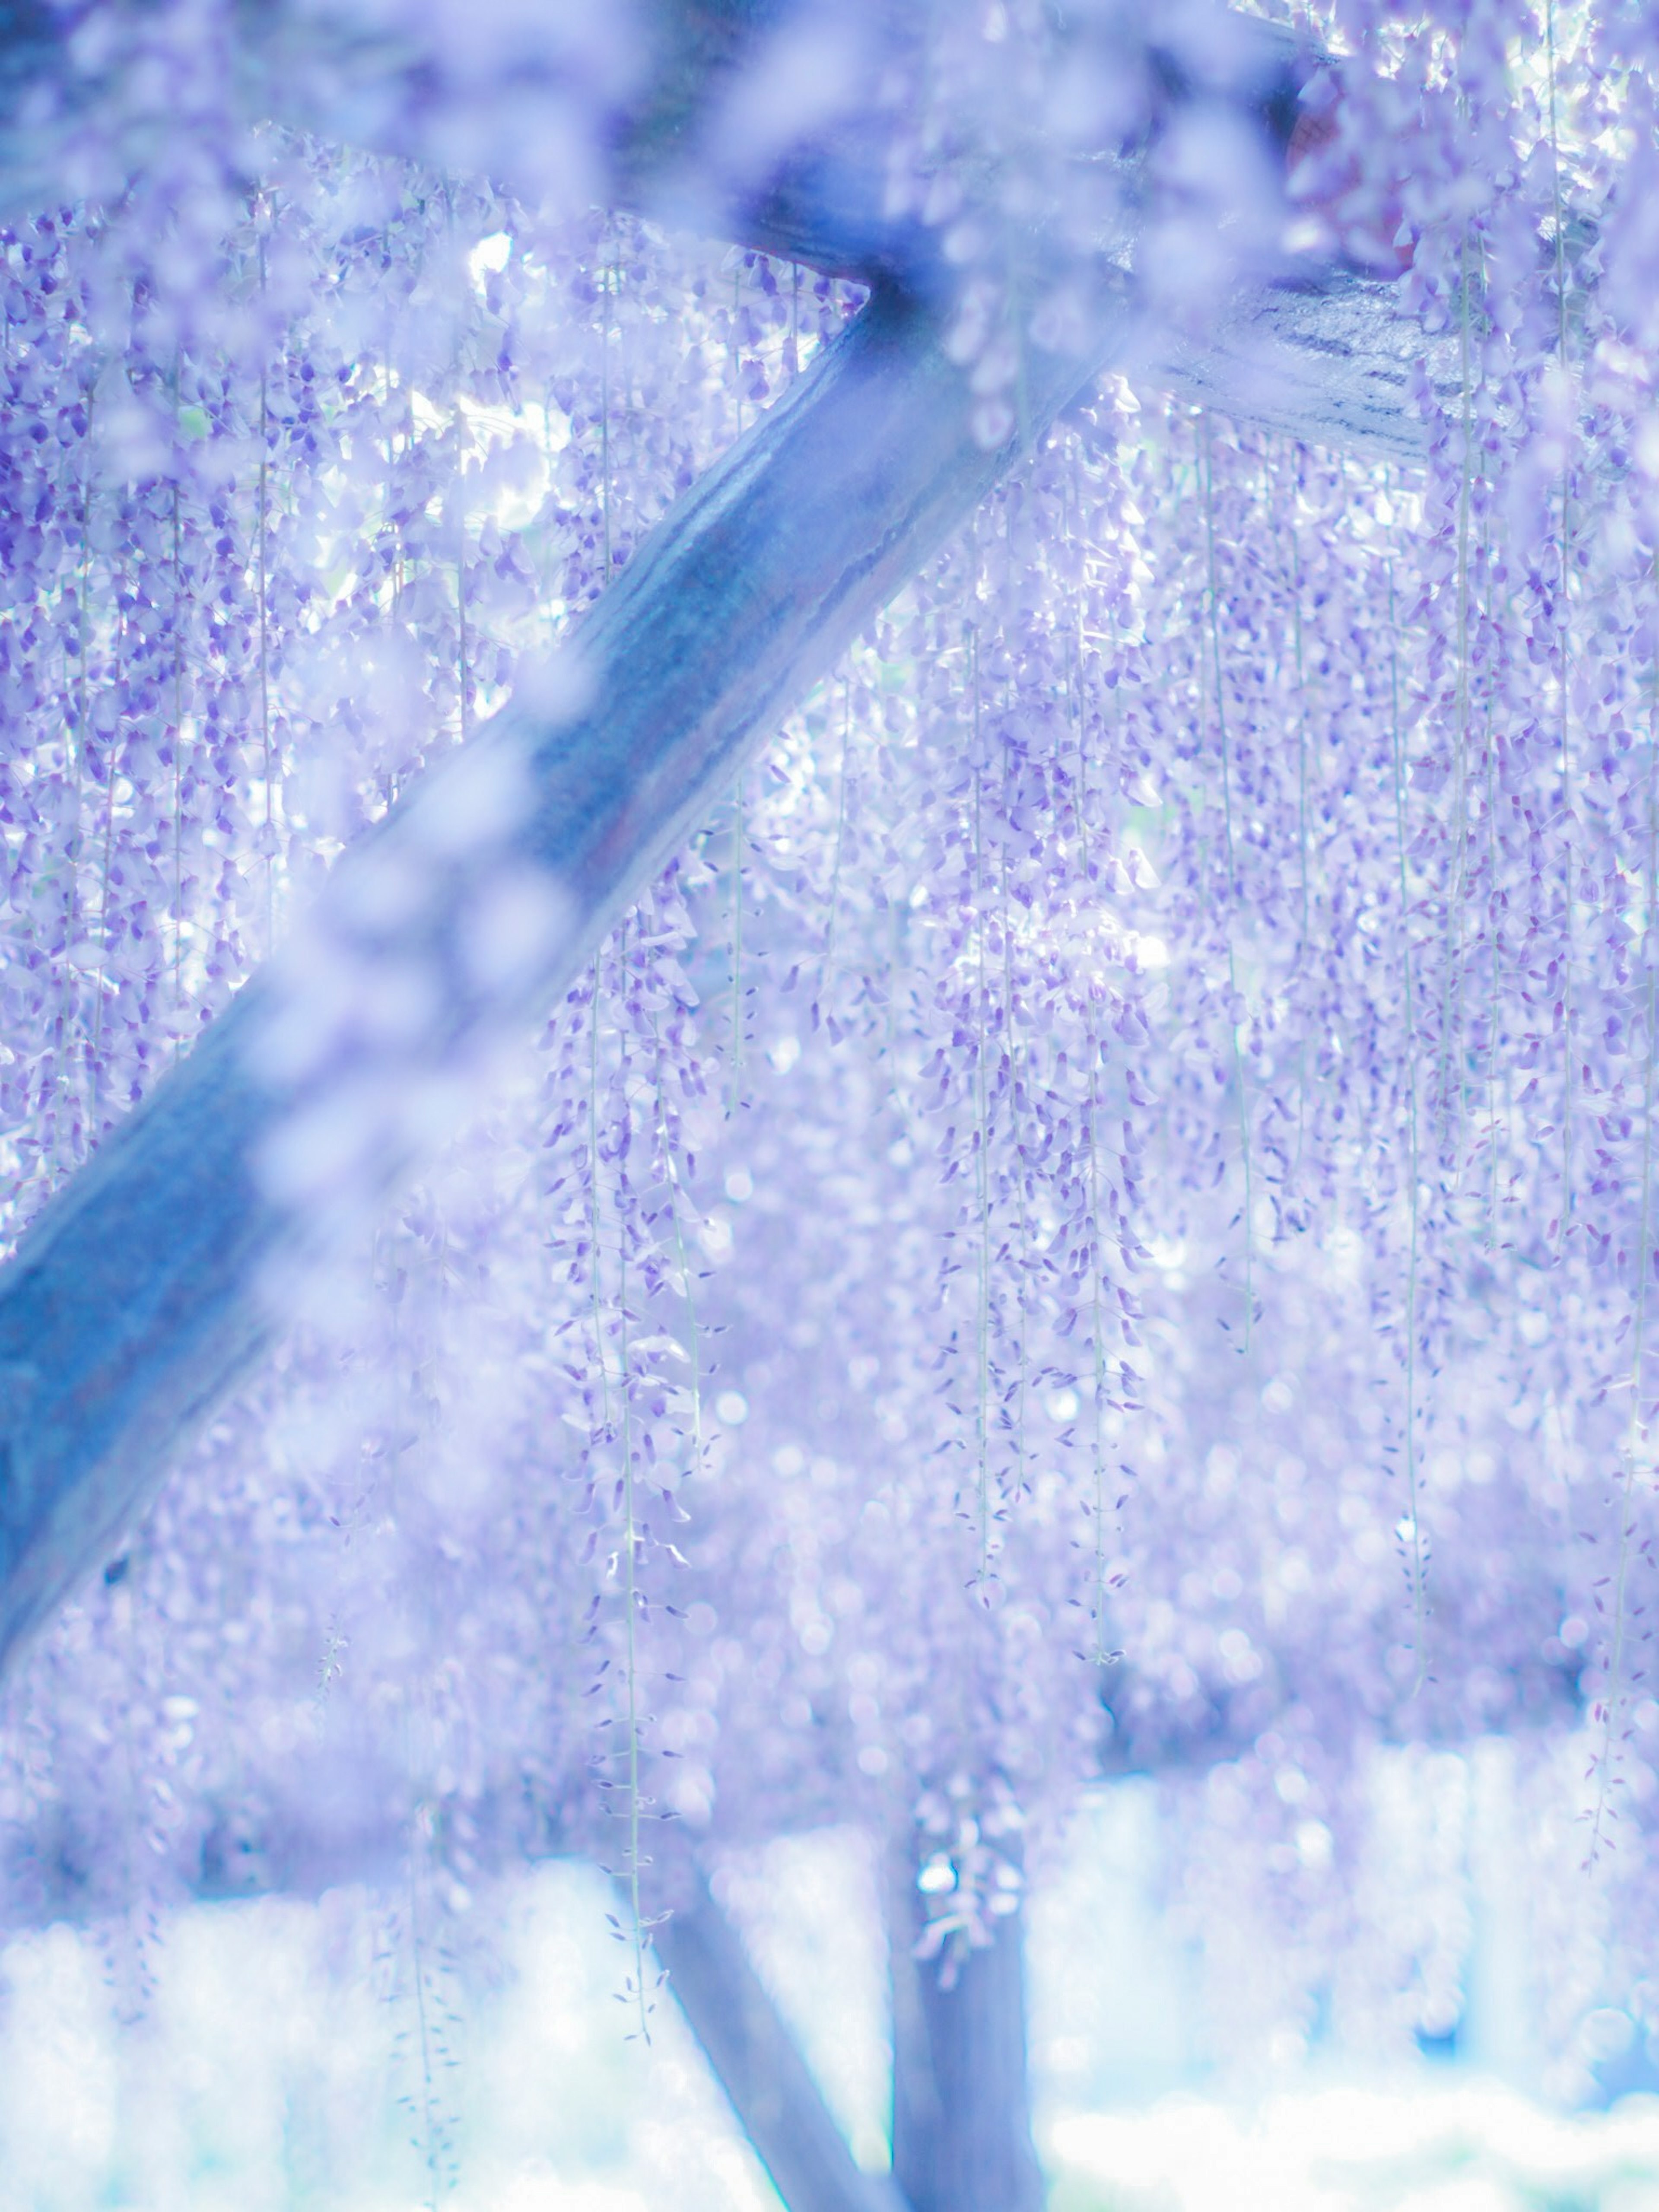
(778, 2104)
(1326, 355)
(139, 1296)
(143, 1292)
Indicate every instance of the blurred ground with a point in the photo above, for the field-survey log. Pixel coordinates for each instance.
(1471, 2146)
(290, 2055)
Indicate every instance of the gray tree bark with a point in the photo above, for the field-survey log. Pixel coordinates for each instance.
(778, 2104)
(140, 1295)
(962, 2106)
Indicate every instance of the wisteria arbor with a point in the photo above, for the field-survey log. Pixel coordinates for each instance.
(1043, 1190)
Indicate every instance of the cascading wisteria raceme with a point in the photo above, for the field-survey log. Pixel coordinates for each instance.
(1395, 1070)
(1098, 1216)
(412, 511)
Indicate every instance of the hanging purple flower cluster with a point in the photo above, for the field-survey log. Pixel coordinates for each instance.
(1098, 1217)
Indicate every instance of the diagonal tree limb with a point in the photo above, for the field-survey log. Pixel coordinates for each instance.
(778, 2106)
(137, 1298)
(750, 2048)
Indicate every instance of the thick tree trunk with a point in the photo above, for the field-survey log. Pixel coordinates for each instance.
(962, 2111)
(778, 2105)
